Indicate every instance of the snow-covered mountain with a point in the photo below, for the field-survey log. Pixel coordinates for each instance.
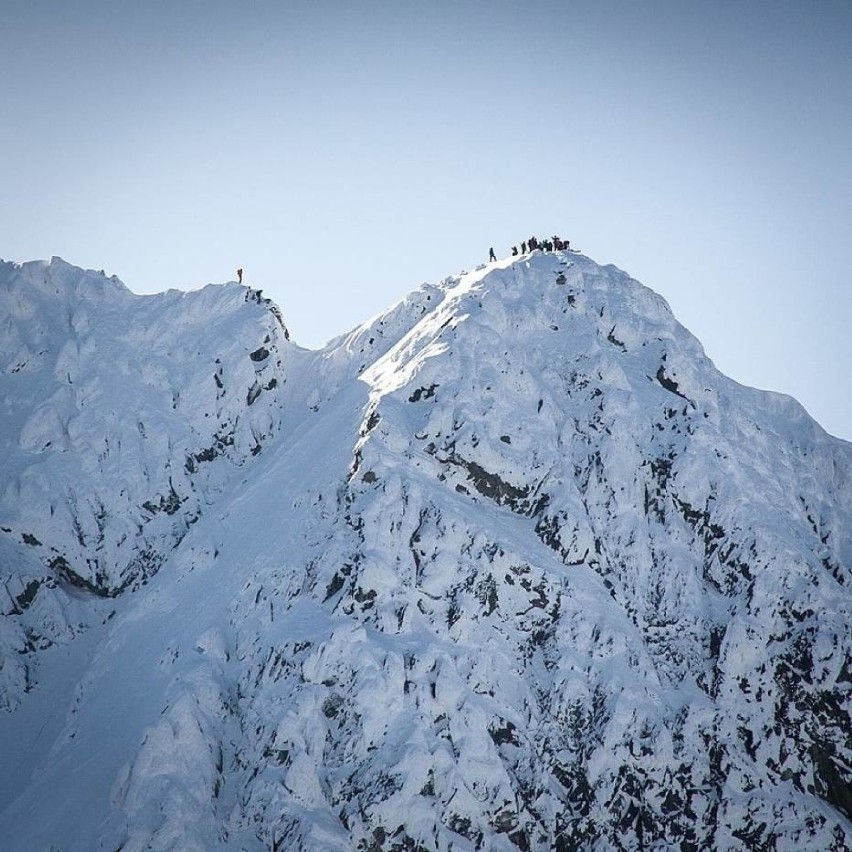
(511, 566)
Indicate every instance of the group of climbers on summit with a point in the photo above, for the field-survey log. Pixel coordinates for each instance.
(553, 244)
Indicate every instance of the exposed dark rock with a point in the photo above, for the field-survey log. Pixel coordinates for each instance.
(490, 485)
(423, 393)
(68, 575)
(614, 340)
(169, 503)
(23, 600)
(669, 384)
(502, 734)
(334, 586)
(372, 421)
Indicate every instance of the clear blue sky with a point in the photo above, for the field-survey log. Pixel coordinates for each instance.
(345, 152)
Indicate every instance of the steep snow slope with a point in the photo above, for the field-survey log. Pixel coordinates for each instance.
(516, 568)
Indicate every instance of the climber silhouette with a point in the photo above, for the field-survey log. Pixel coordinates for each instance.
(240, 275)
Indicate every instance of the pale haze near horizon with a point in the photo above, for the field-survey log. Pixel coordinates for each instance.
(344, 153)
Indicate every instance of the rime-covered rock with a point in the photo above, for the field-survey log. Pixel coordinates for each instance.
(511, 566)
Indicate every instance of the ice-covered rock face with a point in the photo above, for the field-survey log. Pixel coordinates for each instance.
(123, 416)
(116, 405)
(516, 568)
(611, 588)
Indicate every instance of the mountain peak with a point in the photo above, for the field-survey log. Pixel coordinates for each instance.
(510, 566)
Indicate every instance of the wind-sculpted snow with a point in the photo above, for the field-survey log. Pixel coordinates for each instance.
(123, 416)
(517, 568)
